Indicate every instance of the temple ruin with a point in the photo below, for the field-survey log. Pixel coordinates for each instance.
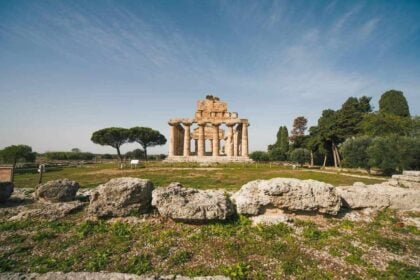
(220, 136)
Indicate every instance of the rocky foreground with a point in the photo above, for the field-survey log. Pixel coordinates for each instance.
(122, 197)
(305, 229)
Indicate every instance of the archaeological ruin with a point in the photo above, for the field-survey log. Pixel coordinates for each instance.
(220, 135)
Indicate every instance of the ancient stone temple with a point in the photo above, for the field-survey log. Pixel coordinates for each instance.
(218, 135)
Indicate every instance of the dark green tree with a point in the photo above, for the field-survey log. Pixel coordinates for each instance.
(111, 136)
(146, 137)
(278, 151)
(13, 154)
(394, 102)
(351, 114)
(384, 124)
(354, 152)
(283, 139)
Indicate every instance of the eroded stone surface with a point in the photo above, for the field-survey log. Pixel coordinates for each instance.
(288, 194)
(192, 205)
(61, 190)
(409, 179)
(50, 211)
(121, 197)
(379, 196)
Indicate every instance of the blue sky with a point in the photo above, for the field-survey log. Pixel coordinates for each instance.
(68, 68)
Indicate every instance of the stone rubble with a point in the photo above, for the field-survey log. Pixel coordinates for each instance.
(62, 190)
(287, 194)
(379, 196)
(121, 197)
(409, 179)
(192, 205)
(50, 211)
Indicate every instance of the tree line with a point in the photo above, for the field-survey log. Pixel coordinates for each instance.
(112, 136)
(118, 136)
(354, 136)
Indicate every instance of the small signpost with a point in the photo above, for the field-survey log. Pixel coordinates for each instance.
(134, 162)
(41, 170)
(6, 173)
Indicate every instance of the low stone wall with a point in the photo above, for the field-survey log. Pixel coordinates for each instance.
(126, 196)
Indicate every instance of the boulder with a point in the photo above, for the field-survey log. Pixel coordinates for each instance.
(121, 197)
(409, 179)
(379, 196)
(288, 194)
(192, 205)
(49, 211)
(61, 190)
(6, 190)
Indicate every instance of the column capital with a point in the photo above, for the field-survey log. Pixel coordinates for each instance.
(187, 123)
(172, 123)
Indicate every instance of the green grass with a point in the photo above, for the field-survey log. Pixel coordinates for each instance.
(233, 248)
(226, 176)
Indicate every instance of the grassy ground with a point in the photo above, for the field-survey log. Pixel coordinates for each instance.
(313, 247)
(333, 249)
(229, 177)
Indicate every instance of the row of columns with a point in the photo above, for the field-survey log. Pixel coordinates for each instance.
(236, 143)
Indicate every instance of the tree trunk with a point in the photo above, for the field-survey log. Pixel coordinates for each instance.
(325, 161)
(334, 155)
(312, 158)
(337, 154)
(145, 152)
(119, 154)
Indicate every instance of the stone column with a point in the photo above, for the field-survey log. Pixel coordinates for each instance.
(195, 146)
(216, 141)
(235, 142)
(229, 143)
(244, 139)
(172, 142)
(180, 140)
(201, 143)
(187, 139)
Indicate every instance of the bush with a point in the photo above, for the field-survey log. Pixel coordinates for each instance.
(135, 154)
(259, 156)
(354, 152)
(69, 156)
(394, 153)
(300, 155)
(276, 154)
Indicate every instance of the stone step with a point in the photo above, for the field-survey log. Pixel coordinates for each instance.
(414, 173)
(406, 178)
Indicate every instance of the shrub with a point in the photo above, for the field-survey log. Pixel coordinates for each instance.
(69, 156)
(394, 153)
(354, 152)
(300, 155)
(259, 156)
(276, 154)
